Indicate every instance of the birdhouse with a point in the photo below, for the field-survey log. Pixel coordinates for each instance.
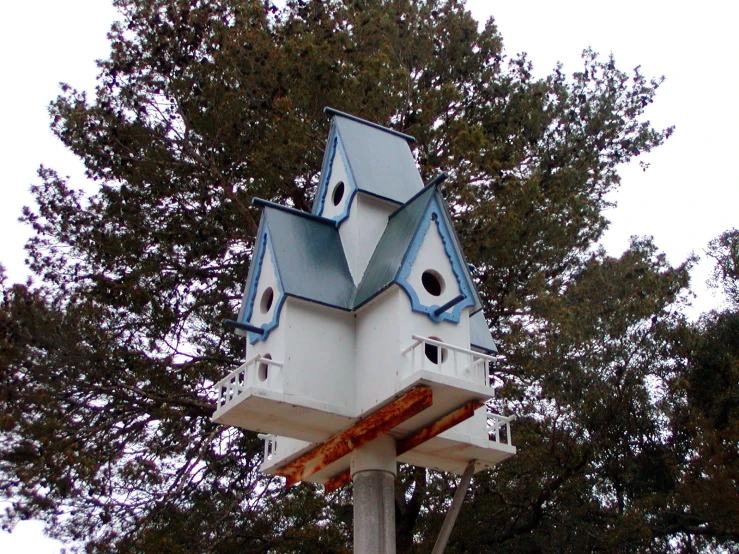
(350, 308)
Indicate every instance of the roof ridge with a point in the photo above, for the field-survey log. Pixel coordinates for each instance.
(331, 111)
(293, 211)
(416, 202)
(440, 178)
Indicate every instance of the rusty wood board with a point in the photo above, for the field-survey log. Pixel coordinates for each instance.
(374, 425)
(430, 431)
(337, 481)
(415, 439)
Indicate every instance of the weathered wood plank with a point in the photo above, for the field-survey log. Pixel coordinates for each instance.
(360, 434)
(415, 439)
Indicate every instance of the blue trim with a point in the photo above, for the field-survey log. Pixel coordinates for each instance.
(336, 145)
(328, 156)
(435, 213)
(326, 173)
(264, 246)
(440, 178)
(352, 185)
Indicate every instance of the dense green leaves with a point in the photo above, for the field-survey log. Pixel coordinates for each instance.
(626, 413)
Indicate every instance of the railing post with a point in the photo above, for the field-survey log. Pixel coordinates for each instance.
(250, 374)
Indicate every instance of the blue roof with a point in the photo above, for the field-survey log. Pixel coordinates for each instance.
(309, 257)
(307, 250)
(384, 265)
(310, 261)
(380, 161)
(401, 237)
(480, 336)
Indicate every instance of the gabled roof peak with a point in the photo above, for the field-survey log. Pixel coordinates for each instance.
(331, 111)
(371, 159)
(403, 236)
(308, 258)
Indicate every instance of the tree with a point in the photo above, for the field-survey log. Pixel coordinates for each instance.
(588, 374)
(108, 364)
(725, 251)
(704, 416)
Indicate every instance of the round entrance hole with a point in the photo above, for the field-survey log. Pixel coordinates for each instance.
(263, 369)
(267, 297)
(432, 282)
(338, 193)
(432, 352)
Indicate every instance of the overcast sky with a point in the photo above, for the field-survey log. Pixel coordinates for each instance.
(688, 196)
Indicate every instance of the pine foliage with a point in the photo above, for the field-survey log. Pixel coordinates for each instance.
(627, 414)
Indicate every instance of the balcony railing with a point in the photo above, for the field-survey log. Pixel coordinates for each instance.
(499, 428)
(270, 445)
(435, 355)
(257, 371)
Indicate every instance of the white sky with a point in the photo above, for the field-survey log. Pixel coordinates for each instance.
(688, 196)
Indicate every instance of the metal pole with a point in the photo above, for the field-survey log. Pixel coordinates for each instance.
(373, 468)
(451, 516)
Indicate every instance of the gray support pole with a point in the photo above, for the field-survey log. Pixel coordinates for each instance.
(373, 469)
(374, 513)
(451, 516)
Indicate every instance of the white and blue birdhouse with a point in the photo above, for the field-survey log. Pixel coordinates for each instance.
(350, 306)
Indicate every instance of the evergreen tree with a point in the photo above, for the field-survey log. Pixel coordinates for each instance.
(107, 365)
(725, 251)
(703, 511)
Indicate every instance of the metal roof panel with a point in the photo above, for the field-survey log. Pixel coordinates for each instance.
(389, 255)
(390, 252)
(310, 258)
(381, 161)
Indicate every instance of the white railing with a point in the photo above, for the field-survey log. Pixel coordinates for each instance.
(450, 360)
(497, 425)
(270, 445)
(257, 371)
